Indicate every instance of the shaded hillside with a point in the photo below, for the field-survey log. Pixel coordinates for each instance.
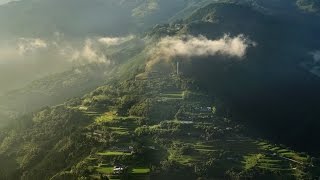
(268, 88)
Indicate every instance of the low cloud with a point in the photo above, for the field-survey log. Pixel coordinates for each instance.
(88, 54)
(57, 49)
(189, 46)
(29, 45)
(26, 58)
(316, 56)
(113, 41)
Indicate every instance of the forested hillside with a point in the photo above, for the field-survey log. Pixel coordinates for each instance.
(160, 89)
(157, 128)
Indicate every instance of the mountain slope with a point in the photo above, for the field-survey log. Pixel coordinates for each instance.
(269, 84)
(204, 122)
(148, 125)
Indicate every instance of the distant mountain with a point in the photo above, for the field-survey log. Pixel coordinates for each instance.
(44, 17)
(83, 17)
(106, 17)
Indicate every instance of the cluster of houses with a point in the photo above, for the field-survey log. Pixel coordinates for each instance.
(120, 169)
(196, 113)
(97, 135)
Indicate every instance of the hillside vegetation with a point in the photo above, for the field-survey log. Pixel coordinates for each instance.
(157, 128)
(157, 111)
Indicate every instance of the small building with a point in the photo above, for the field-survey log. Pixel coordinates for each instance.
(119, 169)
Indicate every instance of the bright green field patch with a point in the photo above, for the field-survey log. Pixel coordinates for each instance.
(114, 153)
(105, 170)
(140, 171)
(275, 149)
(294, 156)
(92, 114)
(252, 160)
(283, 151)
(173, 95)
(270, 160)
(261, 143)
(277, 169)
(202, 146)
(206, 150)
(289, 154)
(129, 117)
(118, 129)
(271, 165)
(121, 132)
(105, 118)
(267, 146)
(185, 159)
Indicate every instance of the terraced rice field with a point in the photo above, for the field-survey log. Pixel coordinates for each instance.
(247, 153)
(133, 172)
(114, 153)
(172, 95)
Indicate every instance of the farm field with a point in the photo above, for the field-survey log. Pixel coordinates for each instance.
(222, 144)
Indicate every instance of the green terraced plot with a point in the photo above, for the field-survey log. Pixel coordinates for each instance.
(140, 171)
(114, 153)
(206, 150)
(172, 96)
(109, 116)
(92, 114)
(283, 151)
(119, 130)
(105, 170)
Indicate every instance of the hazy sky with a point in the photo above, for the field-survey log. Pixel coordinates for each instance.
(5, 1)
